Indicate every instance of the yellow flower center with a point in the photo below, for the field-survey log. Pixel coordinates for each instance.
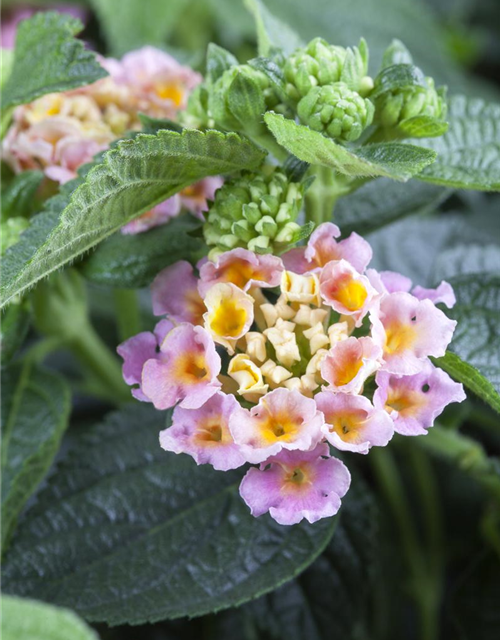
(348, 425)
(351, 294)
(347, 373)
(210, 432)
(170, 91)
(228, 319)
(278, 429)
(399, 337)
(191, 368)
(405, 402)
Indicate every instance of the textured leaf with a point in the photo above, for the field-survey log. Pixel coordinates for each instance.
(48, 58)
(329, 600)
(127, 533)
(398, 76)
(474, 606)
(469, 153)
(394, 160)
(133, 177)
(218, 61)
(470, 377)
(24, 619)
(381, 202)
(35, 411)
(134, 260)
(423, 127)
(477, 336)
(18, 196)
(14, 329)
(271, 32)
(127, 25)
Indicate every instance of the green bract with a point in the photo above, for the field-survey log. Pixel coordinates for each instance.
(256, 211)
(321, 64)
(336, 111)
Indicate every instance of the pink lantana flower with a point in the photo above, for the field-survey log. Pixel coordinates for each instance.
(415, 401)
(294, 485)
(392, 282)
(186, 370)
(283, 419)
(322, 248)
(229, 314)
(346, 291)
(156, 217)
(242, 268)
(349, 363)
(409, 330)
(204, 433)
(161, 84)
(352, 423)
(139, 349)
(175, 293)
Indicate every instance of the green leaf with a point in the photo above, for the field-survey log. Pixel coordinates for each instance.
(271, 32)
(381, 202)
(48, 58)
(132, 261)
(35, 411)
(24, 619)
(396, 53)
(423, 127)
(19, 194)
(14, 326)
(474, 606)
(218, 61)
(128, 25)
(246, 101)
(392, 159)
(133, 177)
(470, 377)
(153, 125)
(398, 76)
(469, 153)
(127, 533)
(476, 340)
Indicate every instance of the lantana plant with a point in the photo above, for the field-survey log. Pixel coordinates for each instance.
(219, 251)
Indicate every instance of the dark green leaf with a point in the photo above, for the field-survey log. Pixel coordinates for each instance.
(24, 619)
(129, 25)
(469, 153)
(381, 202)
(246, 101)
(477, 336)
(153, 125)
(14, 328)
(392, 159)
(271, 32)
(218, 61)
(48, 58)
(35, 411)
(134, 177)
(132, 261)
(470, 377)
(475, 603)
(18, 196)
(127, 533)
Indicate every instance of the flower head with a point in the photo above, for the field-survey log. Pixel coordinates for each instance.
(346, 291)
(349, 363)
(294, 485)
(186, 305)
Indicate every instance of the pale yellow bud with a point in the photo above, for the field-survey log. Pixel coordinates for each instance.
(282, 337)
(248, 375)
(338, 332)
(297, 288)
(274, 373)
(317, 337)
(308, 316)
(270, 313)
(314, 364)
(293, 384)
(256, 346)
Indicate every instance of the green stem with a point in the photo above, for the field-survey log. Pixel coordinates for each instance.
(128, 317)
(391, 486)
(465, 453)
(322, 195)
(93, 353)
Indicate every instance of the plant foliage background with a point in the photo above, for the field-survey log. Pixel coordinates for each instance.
(96, 520)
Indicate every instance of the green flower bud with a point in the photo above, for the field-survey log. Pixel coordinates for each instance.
(336, 111)
(320, 64)
(219, 108)
(254, 212)
(392, 107)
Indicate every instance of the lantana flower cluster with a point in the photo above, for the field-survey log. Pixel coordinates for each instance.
(277, 362)
(60, 132)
